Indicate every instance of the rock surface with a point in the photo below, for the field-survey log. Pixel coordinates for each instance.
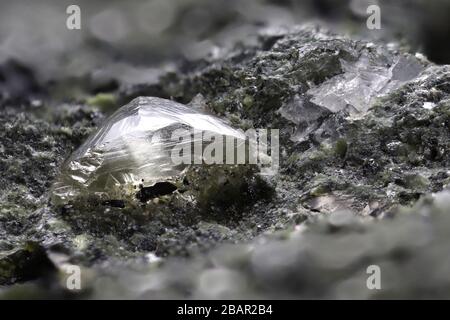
(353, 189)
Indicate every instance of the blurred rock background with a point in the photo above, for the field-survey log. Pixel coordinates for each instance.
(130, 42)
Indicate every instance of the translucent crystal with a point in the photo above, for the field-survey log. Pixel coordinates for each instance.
(365, 76)
(362, 81)
(134, 145)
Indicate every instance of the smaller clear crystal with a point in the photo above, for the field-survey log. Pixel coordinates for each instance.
(363, 81)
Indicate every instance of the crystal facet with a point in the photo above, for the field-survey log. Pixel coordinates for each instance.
(362, 81)
(133, 145)
(365, 77)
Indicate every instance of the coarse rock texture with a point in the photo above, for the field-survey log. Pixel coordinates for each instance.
(354, 188)
(328, 259)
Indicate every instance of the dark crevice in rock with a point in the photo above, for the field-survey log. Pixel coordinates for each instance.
(157, 190)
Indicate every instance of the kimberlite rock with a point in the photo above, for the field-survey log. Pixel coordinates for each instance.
(364, 168)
